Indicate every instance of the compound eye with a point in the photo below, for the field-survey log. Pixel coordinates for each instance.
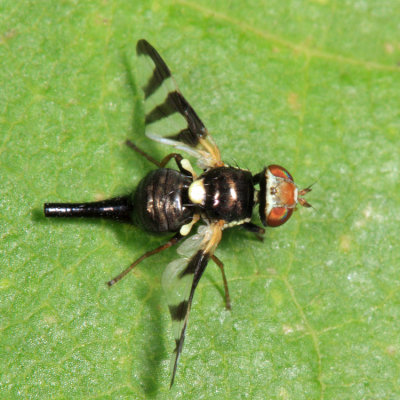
(278, 216)
(280, 172)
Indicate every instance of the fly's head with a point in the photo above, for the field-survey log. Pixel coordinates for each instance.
(279, 196)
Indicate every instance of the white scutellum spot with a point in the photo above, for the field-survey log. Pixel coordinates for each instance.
(197, 192)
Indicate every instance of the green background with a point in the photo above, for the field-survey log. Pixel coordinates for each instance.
(311, 85)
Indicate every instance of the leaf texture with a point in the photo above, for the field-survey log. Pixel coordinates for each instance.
(313, 86)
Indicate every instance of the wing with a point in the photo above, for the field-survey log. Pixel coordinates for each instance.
(169, 117)
(181, 277)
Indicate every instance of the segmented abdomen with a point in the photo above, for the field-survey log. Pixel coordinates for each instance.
(160, 199)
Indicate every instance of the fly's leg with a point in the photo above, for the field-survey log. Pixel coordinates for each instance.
(142, 153)
(178, 158)
(221, 267)
(165, 246)
(253, 228)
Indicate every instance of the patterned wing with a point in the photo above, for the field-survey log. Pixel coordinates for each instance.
(169, 117)
(181, 277)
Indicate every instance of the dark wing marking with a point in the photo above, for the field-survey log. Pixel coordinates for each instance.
(169, 117)
(160, 72)
(181, 277)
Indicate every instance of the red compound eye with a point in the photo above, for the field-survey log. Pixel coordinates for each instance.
(280, 172)
(278, 196)
(278, 216)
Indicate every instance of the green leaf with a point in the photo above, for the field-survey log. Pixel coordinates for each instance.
(311, 85)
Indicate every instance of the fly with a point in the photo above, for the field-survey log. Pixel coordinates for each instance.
(171, 201)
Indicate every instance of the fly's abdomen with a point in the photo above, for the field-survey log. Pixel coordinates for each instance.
(161, 201)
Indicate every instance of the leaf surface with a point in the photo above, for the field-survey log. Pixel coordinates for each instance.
(310, 85)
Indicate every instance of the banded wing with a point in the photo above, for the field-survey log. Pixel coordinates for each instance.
(169, 117)
(181, 277)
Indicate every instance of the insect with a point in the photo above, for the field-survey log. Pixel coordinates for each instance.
(172, 201)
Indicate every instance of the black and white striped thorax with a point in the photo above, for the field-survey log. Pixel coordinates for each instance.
(224, 193)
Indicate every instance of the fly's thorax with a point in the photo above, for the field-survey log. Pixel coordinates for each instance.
(224, 193)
